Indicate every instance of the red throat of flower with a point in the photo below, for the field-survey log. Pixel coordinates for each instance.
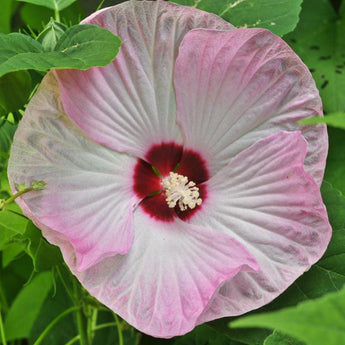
(170, 182)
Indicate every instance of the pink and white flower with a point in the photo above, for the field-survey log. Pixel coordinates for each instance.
(180, 187)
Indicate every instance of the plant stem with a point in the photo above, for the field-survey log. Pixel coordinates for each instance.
(3, 301)
(119, 330)
(14, 196)
(93, 323)
(68, 290)
(81, 319)
(103, 325)
(57, 15)
(55, 321)
(2, 331)
(35, 185)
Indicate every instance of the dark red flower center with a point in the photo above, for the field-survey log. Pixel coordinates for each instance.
(159, 162)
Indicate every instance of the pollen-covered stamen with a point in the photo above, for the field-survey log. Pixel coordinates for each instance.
(179, 190)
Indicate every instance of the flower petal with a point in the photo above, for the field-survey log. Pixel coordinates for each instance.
(265, 200)
(173, 269)
(88, 198)
(236, 87)
(130, 105)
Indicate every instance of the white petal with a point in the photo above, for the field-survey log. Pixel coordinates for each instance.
(173, 269)
(88, 199)
(129, 105)
(266, 201)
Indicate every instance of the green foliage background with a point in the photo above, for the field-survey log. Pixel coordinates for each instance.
(41, 302)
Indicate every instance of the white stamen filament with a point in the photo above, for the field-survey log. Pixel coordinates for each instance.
(179, 190)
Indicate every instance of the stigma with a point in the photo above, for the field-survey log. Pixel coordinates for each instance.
(180, 191)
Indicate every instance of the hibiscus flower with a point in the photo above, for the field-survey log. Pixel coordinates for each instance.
(180, 187)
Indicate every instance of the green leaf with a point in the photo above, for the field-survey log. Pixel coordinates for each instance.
(6, 134)
(36, 16)
(51, 35)
(5, 237)
(26, 307)
(317, 322)
(15, 89)
(56, 5)
(11, 252)
(44, 255)
(278, 338)
(5, 16)
(335, 168)
(342, 8)
(13, 222)
(280, 17)
(205, 335)
(253, 336)
(335, 120)
(319, 41)
(65, 329)
(81, 46)
(12, 279)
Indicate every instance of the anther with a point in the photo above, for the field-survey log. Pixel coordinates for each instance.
(181, 191)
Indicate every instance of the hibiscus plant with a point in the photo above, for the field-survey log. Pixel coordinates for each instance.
(164, 176)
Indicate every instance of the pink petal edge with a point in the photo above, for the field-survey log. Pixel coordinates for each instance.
(236, 87)
(172, 271)
(267, 201)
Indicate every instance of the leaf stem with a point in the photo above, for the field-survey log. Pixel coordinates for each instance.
(52, 324)
(2, 331)
(57, 15)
